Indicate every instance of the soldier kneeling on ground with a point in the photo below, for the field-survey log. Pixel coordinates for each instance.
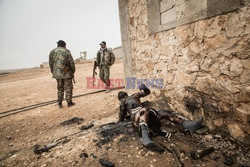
(143, 117)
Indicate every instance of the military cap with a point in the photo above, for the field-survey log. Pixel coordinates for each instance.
(103, 43)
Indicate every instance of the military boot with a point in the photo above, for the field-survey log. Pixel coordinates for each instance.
(192, 126)
(71, 104)
(60, 104)
(107, 90)
(146, 141)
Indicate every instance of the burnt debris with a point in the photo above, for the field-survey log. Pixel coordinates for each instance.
(46, 148)
(74, 120)
(106, 163)
(86, 127)
(203, 153)
(110, 130)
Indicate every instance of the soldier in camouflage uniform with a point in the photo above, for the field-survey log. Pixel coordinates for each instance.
(62, 67)
(104, 60)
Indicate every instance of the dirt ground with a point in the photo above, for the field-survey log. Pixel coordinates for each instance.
(21, 133)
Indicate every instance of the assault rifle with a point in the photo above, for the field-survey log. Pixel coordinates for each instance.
(94, 73)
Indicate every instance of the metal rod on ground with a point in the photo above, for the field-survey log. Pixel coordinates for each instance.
(23, 110)
(47, 102)
(33, 106)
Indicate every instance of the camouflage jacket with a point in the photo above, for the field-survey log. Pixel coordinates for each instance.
(61, 63)
(108, 58)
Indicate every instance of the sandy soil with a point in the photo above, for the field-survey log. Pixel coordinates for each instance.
(19, 133)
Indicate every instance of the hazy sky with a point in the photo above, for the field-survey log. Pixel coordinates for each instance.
(29, 29)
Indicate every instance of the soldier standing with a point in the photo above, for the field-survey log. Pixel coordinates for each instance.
(104, 60)
(62, 67)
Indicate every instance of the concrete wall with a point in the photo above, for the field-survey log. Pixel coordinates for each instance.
(205, 64)
(118, 52)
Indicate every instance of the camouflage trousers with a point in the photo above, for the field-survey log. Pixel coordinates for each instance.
(104, 74)
(67, 86)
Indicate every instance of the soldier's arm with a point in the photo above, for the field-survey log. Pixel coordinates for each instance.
(71, 62)
(112, 58)
(51, 61)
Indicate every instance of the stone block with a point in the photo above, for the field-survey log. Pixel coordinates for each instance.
(167, 5)
(218, 122)
(215, 42)
(184, 34)
(205, 84)
(182, 79)
(160, 66)
(238, 47)
(191, 67)
(245, 76)
(206, 64)
(169, 78)
(191, 10)
(213, 54)
(234, 27)
(225, 108)
(246, 63)
(200, 28)
(231, 85)
(168, 16)
(236, 131)
(243, 113)
(214, 70)
(236, 68)
(164, 40)
(221, 92)
(247, 24)
(194, 46)
(243, 95)
(214, 28)
(232, 67)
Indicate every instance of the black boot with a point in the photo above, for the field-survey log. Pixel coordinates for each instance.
(146, 141)
(192, 126)
(60, 104)
(71, 104)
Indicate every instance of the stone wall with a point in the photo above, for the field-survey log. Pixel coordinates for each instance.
(205, 65)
